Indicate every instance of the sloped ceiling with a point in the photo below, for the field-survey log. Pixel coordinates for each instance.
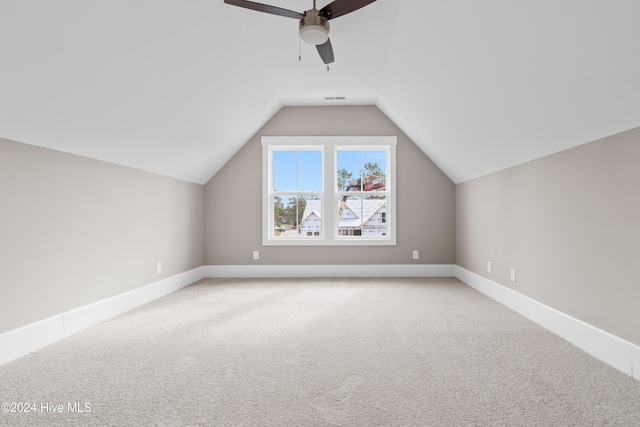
(177, 87)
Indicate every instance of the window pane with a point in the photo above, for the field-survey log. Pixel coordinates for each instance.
(361, 170)
(295, 170)
(296, 216)
(374, 170)
(284, 170)
(362, 216)
(310, 170)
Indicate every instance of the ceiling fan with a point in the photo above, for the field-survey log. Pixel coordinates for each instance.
(314, 25)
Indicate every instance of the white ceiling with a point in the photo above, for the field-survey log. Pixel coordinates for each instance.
(177, 87)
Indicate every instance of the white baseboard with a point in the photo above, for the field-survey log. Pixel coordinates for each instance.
(24, 340)
(602, 345)
(374, 270)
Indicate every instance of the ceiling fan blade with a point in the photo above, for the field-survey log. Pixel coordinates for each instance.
(265, 8)
(326, 51)
(342, 7)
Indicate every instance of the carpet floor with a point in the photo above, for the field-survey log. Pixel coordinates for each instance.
(317, 352)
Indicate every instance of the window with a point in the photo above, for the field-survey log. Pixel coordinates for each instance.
(329, 190)
(296, 192)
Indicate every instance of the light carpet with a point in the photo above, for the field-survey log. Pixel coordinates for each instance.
(318, 352)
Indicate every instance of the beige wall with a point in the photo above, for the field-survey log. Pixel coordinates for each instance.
(425, 197)
(74, 231)
(569, 224)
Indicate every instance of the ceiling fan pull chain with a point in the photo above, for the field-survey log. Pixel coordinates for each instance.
(299, 49)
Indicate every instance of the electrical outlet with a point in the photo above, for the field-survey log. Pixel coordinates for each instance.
(416, 255)
(488, 266)
(256, 254)
(513, 275)
(158, 267)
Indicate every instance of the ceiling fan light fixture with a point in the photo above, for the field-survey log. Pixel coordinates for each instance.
(314, 28)
(314, 34)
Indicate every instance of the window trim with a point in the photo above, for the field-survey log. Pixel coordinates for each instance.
(329, 146)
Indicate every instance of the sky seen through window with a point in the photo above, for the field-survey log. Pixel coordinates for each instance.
(301, 170)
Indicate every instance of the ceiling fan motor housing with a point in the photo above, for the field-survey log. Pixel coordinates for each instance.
(314, 28)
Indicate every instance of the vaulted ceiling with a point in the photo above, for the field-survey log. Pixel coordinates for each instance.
(177, 87)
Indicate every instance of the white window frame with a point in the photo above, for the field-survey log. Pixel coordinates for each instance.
(329, 145)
